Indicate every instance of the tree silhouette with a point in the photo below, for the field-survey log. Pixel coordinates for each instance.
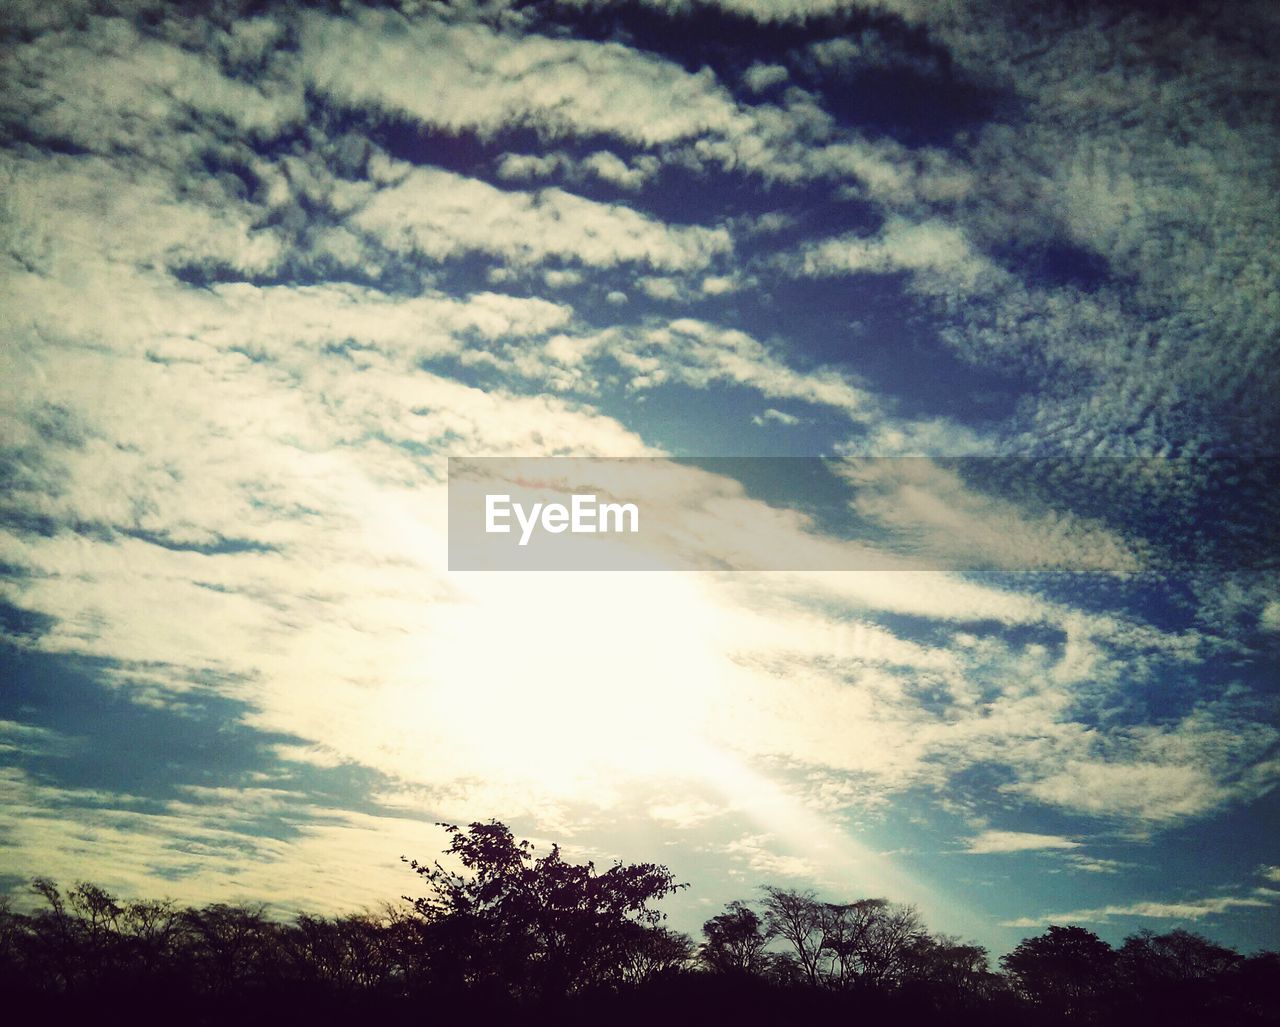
(890, 936)
(735, 941)
(540, 927)
(233, 946)
(1066, 969)
(1255, 982)
(506, 935)
(847, 930)
(839, 945)
(796, 917)
(654, 952)
(949, 972)
(1176, 977)
(1179, 957)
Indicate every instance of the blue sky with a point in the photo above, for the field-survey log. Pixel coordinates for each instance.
(263, 274)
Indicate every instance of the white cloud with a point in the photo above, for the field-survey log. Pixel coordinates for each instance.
(763, 859)
(17, 738)
(772, 416)
(943, 518)
(685, 814)
(937, 252)
(706, 353)
(334, 656)
(440, 214)
(718, 285)
(62, 211)
(456, 75)
(485, 80)
(771, 11)
(686, 350)
(1159, 774)
(1269, 618)
(528, 165)
(867, 49)
(1018, 841)
(612, 168)
(761, 76)
(562, 279)
(659, 288)
(205, 848)
(602, 164)
(1094, 865)
(1191, 909)
(110, 88)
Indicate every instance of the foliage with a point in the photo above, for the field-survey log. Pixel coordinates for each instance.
(1065, 969)
(868, 943)
(735, 941)
(504, 934)
(537, 926)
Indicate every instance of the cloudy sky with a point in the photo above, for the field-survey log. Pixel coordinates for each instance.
(264, 273)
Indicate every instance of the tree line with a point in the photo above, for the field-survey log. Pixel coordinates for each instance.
(502, 934)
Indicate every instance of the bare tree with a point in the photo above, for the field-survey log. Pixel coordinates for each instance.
(796, 918)
(232, 946)
(950, 971)
(847, 931)
(154, 933)
(891, 935)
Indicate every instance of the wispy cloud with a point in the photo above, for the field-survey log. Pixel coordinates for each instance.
(1094, 865)
(757, 852)
(1018, 841)
(772, 416)
(1194, 909)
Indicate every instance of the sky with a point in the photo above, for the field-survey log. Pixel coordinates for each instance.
(1009, 269)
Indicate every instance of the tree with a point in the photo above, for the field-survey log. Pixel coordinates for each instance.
(847, 930)
(1147, 959)
(232, 946)
(1066, 969)
(796, 917)
(347, 952)
(891, 934)
(1175, 976)
(949, 971)
(653, 952)
(735, 941)
(838, 945)
(55, 937)
(1255, 983)
(14, 942)
(155, 931)
(538, 927)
